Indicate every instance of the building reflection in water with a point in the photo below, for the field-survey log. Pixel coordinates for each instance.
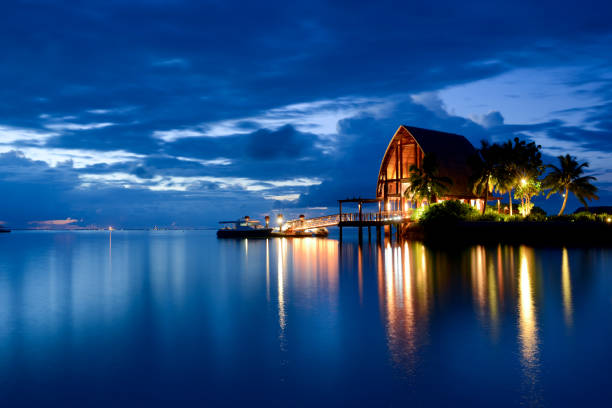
(566, 288)
(404, 289)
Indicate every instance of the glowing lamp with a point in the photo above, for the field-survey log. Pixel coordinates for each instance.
(523, 181)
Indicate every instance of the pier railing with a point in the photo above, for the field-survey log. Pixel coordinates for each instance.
(335, 219)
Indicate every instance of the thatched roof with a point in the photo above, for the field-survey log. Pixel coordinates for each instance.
(452, 151)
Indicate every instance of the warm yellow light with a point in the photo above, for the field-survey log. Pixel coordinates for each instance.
(608, 219)
(566, 286)
(110, 228)
(279, 220)
(523, 181)
(405, 206)
(388, 206)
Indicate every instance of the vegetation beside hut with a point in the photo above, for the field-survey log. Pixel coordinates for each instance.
(453, 211)
(514, 168)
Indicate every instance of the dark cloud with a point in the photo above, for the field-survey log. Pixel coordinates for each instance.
(151, 66)
(285, 142)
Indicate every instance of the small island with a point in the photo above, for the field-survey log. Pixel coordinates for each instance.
(436, 186)
(445, 185)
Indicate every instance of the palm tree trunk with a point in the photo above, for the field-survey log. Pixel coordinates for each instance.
(564, 200)
(510, 200)
(484, 207)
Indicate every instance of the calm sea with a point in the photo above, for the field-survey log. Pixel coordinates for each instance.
(174, 318)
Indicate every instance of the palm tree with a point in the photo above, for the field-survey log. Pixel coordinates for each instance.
(505, 173)
(484, 168)
(527, 159)
(568, 178)
(425, 183)
(518, 161)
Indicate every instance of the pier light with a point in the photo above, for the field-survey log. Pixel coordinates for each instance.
(279, 219)
(110, 228)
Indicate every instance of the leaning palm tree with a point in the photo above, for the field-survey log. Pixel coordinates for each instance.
(425, 182)
(568, 178)
(484, 168)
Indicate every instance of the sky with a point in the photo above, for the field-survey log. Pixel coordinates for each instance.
(183, 113)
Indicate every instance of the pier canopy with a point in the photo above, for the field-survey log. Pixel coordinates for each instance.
(408, 147)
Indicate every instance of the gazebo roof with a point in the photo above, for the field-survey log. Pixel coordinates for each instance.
(452, 151)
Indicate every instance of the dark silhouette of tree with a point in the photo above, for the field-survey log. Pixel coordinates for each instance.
(568, 177)
(485, 167)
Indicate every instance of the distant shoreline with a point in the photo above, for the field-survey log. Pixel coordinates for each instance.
(116, 229)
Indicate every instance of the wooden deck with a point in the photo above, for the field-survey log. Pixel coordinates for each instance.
(369, 219)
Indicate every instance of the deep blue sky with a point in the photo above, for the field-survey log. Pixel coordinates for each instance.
(136, 113)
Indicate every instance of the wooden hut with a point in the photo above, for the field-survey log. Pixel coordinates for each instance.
(408, 147)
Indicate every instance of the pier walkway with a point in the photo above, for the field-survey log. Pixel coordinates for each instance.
(379, 219)
(370, 219)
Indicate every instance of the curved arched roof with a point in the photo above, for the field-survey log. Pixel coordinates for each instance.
(452, 151)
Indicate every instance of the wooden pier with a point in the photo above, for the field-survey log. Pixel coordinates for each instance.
(383, 221)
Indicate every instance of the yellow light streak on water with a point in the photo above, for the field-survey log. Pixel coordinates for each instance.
(527, 313)
(281, 286)
(566, 286)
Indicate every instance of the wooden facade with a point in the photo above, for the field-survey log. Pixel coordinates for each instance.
(408, 147)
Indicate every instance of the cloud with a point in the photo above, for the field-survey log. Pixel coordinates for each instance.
(172, 62)
(67, 221)
(192, 183)
(10, 134)
(318, 117)
(111, 111)
(283, 197)
(204, 123)
(488, 120)
(59, 126)
(78, 158)
(220, 161)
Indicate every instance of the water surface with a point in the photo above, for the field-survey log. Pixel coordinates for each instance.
(181, 318)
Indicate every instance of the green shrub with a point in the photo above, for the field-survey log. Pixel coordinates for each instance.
(535, 217)
(490, 215)
(514, 218)
(538, 210)
(447, 212)
(417, 214)
(583, 216)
